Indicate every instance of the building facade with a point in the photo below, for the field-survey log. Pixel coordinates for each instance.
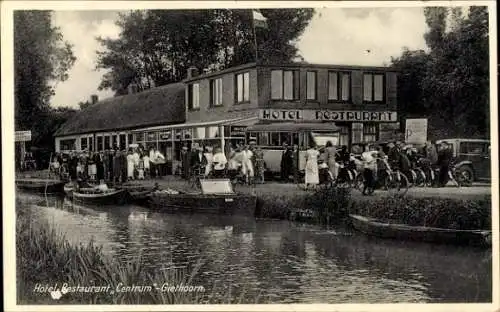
(216, 108)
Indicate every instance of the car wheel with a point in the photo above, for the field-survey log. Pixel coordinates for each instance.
(465, 175)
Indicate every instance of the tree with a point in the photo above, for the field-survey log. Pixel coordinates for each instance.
(41, 59)
(157, 47)
(451, 81)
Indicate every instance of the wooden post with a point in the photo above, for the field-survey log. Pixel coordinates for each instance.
(172, 139)
(222, 139)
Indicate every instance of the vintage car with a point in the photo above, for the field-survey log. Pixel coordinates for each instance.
(472, 158)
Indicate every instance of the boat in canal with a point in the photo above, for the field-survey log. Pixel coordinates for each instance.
(216, 197)
(38, 185)
(384, 229)
(140, 195)
(98, 197)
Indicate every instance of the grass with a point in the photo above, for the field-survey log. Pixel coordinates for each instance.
(45, 257)
(464, 214)
(325, 205)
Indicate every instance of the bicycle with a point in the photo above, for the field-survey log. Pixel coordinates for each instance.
(393, 181)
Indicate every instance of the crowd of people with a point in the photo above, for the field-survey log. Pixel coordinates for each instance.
(111, 165)
(245, 163)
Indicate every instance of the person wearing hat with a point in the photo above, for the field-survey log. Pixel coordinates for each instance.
(196, 158)
(185, 161)
(444, 159)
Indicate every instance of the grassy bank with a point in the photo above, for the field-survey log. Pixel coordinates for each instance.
(332, 205)
(323, 206)
(45, 257)
(463, 214)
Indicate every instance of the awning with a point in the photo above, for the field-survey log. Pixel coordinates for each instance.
(234, 121)
(291, 127)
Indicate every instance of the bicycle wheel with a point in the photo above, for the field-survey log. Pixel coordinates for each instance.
(398, 183)
(358, 182)
(421, 177)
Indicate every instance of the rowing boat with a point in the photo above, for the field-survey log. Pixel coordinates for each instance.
(41, 185)
(385, 229)
(96, 197)
(216, 197)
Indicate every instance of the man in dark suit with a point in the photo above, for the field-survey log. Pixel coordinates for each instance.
(197, 159)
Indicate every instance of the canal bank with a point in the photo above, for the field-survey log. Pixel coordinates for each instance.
(449, 207)
(274, 261)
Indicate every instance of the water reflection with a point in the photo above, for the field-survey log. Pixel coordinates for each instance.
(289, 263)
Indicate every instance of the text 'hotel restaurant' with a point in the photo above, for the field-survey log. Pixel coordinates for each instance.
(216, 108)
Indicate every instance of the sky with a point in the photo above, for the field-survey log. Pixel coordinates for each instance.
(334, 36)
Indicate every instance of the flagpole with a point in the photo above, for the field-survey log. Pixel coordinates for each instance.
(254, 36)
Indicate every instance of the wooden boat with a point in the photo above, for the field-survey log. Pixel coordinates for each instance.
(207, 201)
(96, 197)
(41, 185)
(380, 228)
(69, 188)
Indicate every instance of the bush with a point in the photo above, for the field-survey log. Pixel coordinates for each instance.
(470, 214)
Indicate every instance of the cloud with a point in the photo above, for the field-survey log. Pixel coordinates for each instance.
(80, 28)
(343, 36)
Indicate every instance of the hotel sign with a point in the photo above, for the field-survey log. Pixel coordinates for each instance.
(327, 115)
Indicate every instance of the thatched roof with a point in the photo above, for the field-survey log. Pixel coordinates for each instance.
(158, 106)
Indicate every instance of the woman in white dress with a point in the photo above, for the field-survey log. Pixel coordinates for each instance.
(209, 158)
(246, 164)
(312, 172)
(130, 166)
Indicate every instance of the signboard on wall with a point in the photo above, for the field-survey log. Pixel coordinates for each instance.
(238, 131)
(389, 131)
(326, 115)
(165, 135)
(23, 136)
(416, 131)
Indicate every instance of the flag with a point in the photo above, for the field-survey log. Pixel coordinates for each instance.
(258, 19)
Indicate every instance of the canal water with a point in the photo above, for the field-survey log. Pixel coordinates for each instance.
(282, 261)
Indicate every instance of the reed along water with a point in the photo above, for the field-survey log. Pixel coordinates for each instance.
(283, 261)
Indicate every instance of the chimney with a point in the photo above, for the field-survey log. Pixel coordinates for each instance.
(132, 88)
(94, 98)
(192, 72)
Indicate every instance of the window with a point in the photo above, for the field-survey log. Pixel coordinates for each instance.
(373, 88)
(369, 132)
(83, 144)
(123, 142)
(216, 92)
(275, 139)
(107, 144)
(243, 87)
(344, 135)
(67, 145)
(472, 148)
(339, 86)
(311, 85)
(114, 141)
(194, 96)
(100, 145)
(284, 85)
(91, 143)
(263, 138)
